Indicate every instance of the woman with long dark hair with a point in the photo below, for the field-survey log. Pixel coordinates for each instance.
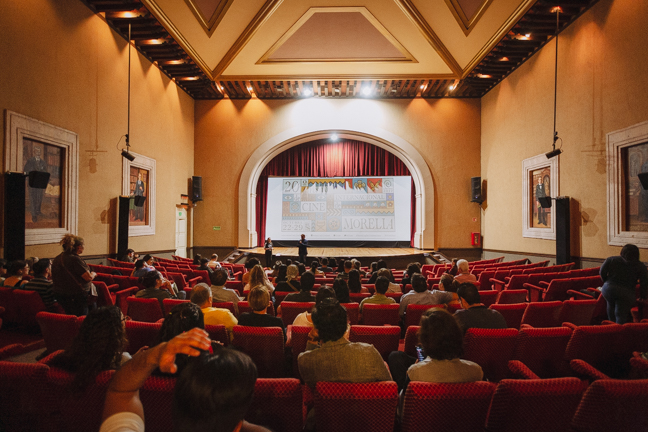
(98, 346)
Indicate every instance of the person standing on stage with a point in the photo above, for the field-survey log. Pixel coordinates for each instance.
(268, 252)
(303, 248)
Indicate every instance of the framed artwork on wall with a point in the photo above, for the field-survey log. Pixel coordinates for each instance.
(139, 184)
(539, 180)
(32, 145)
(627, 200)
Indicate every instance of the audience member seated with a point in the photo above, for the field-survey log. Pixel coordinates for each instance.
(16, 271)
(315, 269)
(129, 257)
(463, 273)
(453, 270)
(441, 342)
(306, 318)
(281, 273)
(182, 318)
(258, 279)
(304, 295)
(98, 346)
(354, 282)
(421, 295)
(212, 393)
(155, 286)
(382, 284)
(448, 283)
(346, 269)
(140, 269)
(357, 266)
(201, 295)
(474, 314)
(249, 265)
(290, 283)
(218, 280)
(302, 268)
(411, 269)
(204, 265)
(196, 259)
(72, 277)
(337, 359)
(213, 262)
(325, 267)
(393, 287)
(3, 271)
(381, 264)
(42, 284)
(259, 300)
(341, 290)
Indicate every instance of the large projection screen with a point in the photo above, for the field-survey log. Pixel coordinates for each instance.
(339, 208)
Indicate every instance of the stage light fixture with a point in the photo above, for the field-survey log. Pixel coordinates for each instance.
(555, 151)
(308, 92)
(127, 155)
(334, 137)
(366, 91)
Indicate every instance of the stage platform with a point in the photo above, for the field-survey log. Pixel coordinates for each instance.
(395, 257)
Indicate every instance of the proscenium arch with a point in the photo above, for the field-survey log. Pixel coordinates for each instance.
(411, 157)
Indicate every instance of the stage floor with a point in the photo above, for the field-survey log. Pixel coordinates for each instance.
(316, 252)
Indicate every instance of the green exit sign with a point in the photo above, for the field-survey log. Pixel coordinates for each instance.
(216, 228)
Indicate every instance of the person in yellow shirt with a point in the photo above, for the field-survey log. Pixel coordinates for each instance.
(201, 295)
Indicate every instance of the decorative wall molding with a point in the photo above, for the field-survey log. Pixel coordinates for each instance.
(529, 165)
(148, 164)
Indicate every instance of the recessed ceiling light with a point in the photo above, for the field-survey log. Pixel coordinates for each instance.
(452, 87)
(483, 76)
(308, 92)
(422, 86)
(334, 137)
(504, 59)
(366, 91)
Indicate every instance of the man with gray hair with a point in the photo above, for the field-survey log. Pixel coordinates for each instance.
(218, 278)
(463, 273)
(201, 296)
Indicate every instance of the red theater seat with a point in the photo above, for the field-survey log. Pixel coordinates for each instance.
(265, 345)
(141, 334)
(384, 338)
(491, 349)
(543, 350)
(277, 405)
(143, 309)
(58, 330)
(512, 313)
(414, 312)
(379, 314)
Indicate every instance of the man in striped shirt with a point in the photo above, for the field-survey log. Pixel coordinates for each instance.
(41, 283)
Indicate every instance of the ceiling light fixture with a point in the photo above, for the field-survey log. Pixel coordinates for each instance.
(504, 59)
(452, 87)
(555, 152)
(334, 137)
(366, 90)
(483, 76)
(307, 92)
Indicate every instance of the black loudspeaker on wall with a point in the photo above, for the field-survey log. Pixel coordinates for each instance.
(475, 189)
(123, 214)
(563, 237)
(14, 220)
(196, 188)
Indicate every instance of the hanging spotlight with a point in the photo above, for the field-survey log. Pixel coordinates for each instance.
(126, 152)
(555, 152)
(127, 155)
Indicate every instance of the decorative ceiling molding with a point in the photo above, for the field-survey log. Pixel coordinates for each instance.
(304, 19)
(334, 77)
(210, 24)
(466, 23)
(415, 16)
(159, 14)
(517, 14)
(268, 8)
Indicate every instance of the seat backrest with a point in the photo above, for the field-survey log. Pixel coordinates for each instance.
(225, 305)
(265, 345)
(143, 309)
(75, 411)
(170, 304)
(121, 296)
(414, 312)
(384, 338)
(491, 349)
(485, 277)
(103, 294)
(58, 330)
(534, 405)
(446, 407)
(298, 341)
(543, 350)
(244, 306)
(599, 346)
(358, 297)
(557, 289)
(356, 406)
(353, 312)
(235, 285)
(123, 281)
(512, 313)
(156, 395)
(22, 396)
(542, 314)
(204, 274)
(290, 310)
(179, 279)
(380, 314)
(217, 333)
(411, 340)
(141, 334)
(608, 405)
(488, 297)
(28, 304)
(510, 296)
(577, 312)
(517, 282)
(7, 302)
(277, 404)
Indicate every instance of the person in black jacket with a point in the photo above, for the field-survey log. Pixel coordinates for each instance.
(620, 275)
(259, 301)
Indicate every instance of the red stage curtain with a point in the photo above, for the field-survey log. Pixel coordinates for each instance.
(325, 159)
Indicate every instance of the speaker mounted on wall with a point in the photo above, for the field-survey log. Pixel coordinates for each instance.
(643, 178)
(14, 220)
(563, 232)
(196, 188)
(476, 190)
(123, 215)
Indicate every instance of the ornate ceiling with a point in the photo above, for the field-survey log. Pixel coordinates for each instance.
(337, 48)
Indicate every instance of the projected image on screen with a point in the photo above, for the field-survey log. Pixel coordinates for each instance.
(337, 208)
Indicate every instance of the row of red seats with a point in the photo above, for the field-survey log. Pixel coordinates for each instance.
(438, 269)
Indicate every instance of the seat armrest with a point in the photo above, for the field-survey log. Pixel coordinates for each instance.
(583, 368)
(544, 283)
(497, 284)
(193, 281)
(520, 370)
(533, 287)
(579, 295)
(570, 325)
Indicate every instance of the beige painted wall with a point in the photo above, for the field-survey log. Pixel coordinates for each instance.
(602, 87)
(446, 132)
(64, 66)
